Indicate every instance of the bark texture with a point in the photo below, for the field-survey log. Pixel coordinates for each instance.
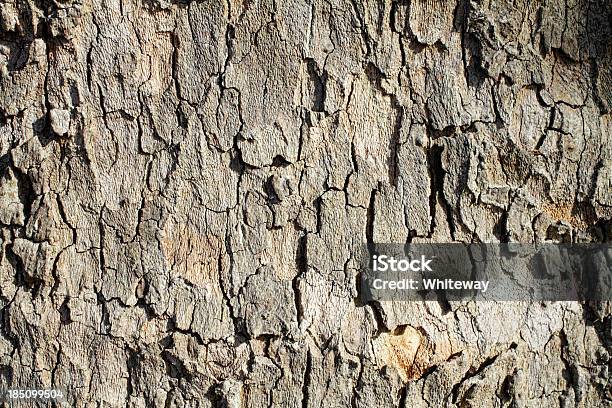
(184, 184)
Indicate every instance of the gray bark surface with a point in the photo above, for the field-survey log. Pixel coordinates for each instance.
(183, 187)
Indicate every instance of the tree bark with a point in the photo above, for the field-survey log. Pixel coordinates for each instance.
(184, 185)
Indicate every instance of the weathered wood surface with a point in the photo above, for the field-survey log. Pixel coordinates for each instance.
(184, 185)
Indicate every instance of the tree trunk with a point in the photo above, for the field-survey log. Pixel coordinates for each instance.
(184, 186)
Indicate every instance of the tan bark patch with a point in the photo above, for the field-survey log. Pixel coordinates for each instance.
(192, 256)
(406, 349)
(568, 213)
